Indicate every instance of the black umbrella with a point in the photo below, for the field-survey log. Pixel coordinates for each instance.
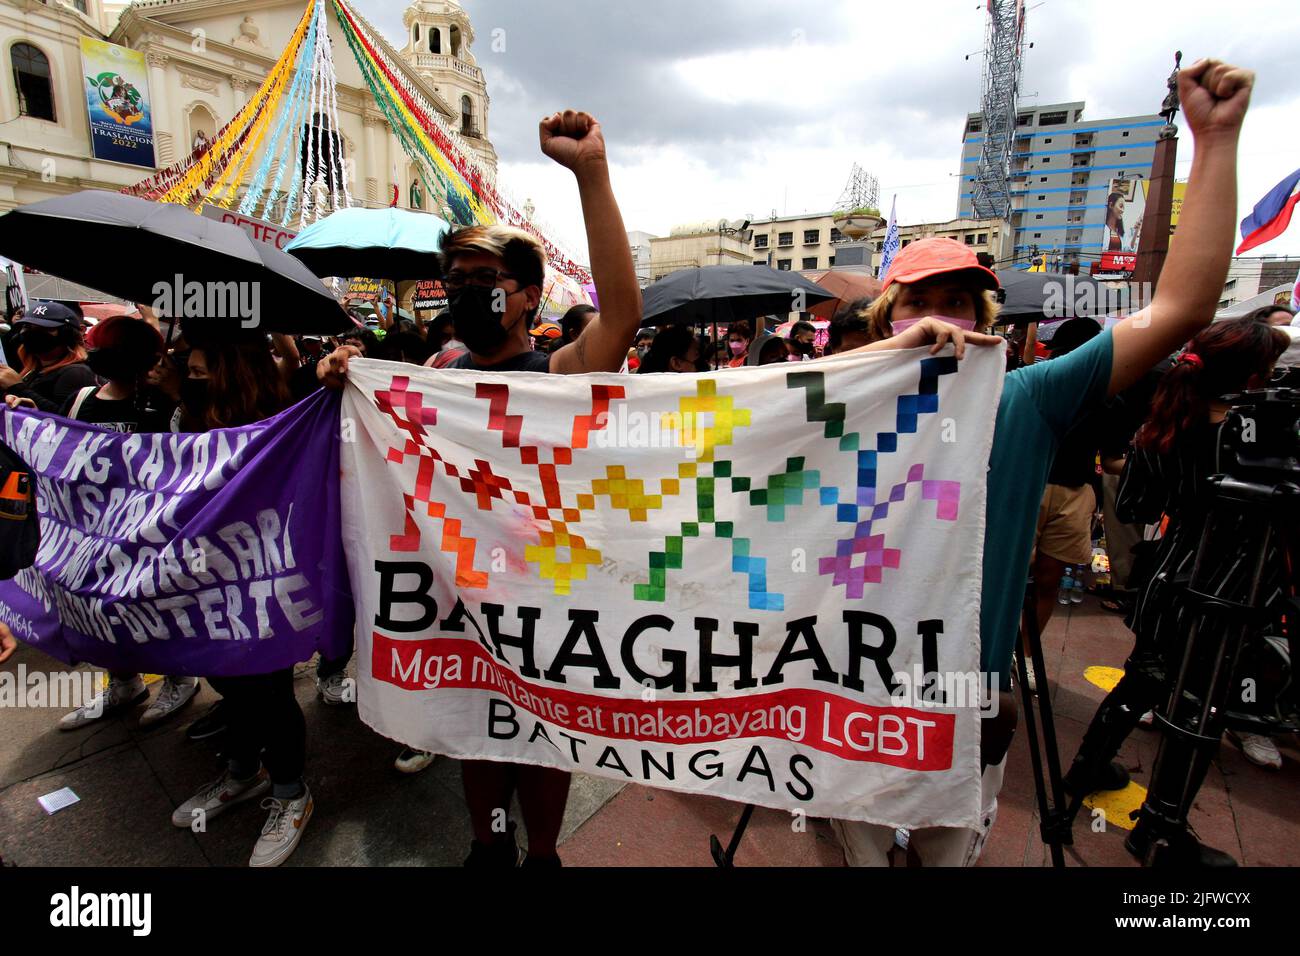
(1044, 296)
(165, 256)
(721, 294)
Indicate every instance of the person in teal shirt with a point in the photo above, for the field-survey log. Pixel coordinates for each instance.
(942, 279)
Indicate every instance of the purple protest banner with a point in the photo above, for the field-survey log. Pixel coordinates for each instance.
(214, 555)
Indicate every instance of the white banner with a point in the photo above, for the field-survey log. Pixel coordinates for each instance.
(761, 584)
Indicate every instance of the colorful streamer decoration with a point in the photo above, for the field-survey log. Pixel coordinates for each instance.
(192, 180)
(292, 124)
(470, 194)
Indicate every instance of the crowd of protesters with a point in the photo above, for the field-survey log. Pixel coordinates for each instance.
(1133, 404)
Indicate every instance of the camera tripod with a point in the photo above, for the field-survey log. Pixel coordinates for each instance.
(1054, 814)
(1229, 593)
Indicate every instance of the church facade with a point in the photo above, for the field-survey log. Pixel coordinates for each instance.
(205, 60)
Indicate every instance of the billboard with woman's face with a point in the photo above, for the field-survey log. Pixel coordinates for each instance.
(1125, 206)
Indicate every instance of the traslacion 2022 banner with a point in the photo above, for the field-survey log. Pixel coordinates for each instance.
(613, 574)
(118, 103)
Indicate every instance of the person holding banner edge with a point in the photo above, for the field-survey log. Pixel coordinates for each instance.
(512, 264)
(1040, 403)
(493, 276)
(233, 383)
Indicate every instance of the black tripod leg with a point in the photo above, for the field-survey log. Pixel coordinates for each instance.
(1225, 593)
(726, 858)
(1055, 822)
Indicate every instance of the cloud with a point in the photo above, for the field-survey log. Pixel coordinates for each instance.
(731, 107)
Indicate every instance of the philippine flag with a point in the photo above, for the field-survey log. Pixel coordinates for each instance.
(1271, 215)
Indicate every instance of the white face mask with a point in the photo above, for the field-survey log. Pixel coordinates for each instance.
(966, 325)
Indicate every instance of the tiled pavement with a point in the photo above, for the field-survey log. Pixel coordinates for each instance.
(128, 782)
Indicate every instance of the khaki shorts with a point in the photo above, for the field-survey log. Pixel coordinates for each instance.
(868, 844)
(1065, 523)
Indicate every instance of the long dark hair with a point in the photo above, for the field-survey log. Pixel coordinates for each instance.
(1262, 315)
(244, 384)
(673, 342)
(1110, 208)
(1224, 358)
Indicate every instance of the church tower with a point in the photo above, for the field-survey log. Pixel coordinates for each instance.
(438, 40)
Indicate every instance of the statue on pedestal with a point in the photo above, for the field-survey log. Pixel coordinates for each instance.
(1169, 109)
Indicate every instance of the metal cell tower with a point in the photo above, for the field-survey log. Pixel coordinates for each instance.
(1004, 47)
(862, 189)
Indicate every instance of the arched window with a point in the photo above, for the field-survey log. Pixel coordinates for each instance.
(203, 128)
(435, 40)
(455, 40)
(32, 81)
(415, 35)
(466, 115)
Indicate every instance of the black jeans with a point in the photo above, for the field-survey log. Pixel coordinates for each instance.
(265, 725)
(326, 668)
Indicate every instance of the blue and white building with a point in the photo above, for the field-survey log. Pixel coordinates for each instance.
(1062, 172)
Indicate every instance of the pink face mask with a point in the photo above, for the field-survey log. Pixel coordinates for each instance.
(737, 348)
(966, 325)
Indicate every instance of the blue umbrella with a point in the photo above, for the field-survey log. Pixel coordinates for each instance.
(394, 244)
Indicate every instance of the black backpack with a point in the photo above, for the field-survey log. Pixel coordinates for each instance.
(19, 530)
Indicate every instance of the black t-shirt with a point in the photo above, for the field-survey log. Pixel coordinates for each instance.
(115, 415)
(1076, 458)
(51, 390)
(523, 362)
(303, 382)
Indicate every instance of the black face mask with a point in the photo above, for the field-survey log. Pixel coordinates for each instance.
(477, 323)
(116, 365)
(38, 341)
(194, 394)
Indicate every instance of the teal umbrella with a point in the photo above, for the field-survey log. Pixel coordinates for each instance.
(395, 244)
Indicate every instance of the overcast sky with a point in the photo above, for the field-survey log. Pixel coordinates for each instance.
(735, 108)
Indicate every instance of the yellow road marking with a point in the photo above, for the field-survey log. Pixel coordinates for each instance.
(148, 680)
(1104, 677)
(1118, 804)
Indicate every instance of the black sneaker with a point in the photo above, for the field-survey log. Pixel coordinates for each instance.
(1183, 851)
(213, 722)
(503, 853)
(1113, 776)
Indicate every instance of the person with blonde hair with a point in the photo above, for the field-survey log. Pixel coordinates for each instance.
(942, 279)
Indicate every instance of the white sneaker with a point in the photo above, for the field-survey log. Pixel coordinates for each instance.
(1148, 719)
(283, 829)
(120, 695)
(335, 690)
(174, 694)
(1261, 751)
(219, 796)
(412, 761)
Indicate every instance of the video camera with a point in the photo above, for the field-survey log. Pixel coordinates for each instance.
(1261, 436)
